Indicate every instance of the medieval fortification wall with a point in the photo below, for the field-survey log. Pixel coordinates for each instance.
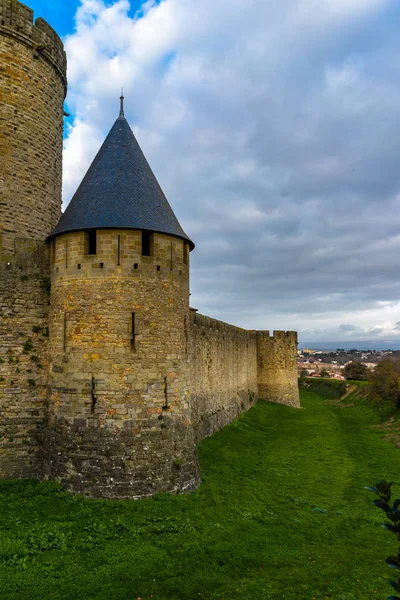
(231, 368)
(107, 379)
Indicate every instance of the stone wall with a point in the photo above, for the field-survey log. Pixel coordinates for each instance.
(32, 91)
(119, 416)
(223, 373)
(24, 306)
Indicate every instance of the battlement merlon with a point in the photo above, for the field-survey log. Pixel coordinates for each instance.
(16, 20)
(278, 335)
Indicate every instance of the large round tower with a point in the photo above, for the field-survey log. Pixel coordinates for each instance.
(33, 88)
(119, 416)
(32, 91)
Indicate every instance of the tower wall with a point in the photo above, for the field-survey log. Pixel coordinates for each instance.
(277, 367)
(32, 90)
(23, 356)
(119, 417)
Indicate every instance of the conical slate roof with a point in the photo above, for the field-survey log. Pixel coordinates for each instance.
(120, 191)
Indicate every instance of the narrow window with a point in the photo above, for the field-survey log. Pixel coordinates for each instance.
(79, 266)
(133, 333)
(65, 332)
(165, 407)
(119, 251)
(66, 254)
(185, 253)
(92, 242)
(93, 395)
(146, 243)
(135, 266)
(101, 265)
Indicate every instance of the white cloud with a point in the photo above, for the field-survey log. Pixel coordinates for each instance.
(273, 129)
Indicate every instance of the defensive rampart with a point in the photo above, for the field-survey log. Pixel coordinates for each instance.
(223, 373)
(231, 368)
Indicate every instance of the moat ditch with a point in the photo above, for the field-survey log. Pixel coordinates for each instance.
(282, 513)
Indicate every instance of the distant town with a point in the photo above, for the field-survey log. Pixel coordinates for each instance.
(323, 363)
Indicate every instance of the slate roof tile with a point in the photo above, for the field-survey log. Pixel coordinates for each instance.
(120, 191)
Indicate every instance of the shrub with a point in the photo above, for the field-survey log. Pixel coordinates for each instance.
(356, 371)
(385, 381)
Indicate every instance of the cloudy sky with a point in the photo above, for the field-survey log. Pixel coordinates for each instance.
(274, 131)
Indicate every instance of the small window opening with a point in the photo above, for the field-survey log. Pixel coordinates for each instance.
(133, 332)
(92, 242)
(146, 243)
(65, 332)
(158, 268)
(165, 407)
(101, 265)
(119, 251)
(93, 396)
(135, 266)
(78, 266)
(185, 253)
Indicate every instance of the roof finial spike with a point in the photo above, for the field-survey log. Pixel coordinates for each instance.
(121, 112)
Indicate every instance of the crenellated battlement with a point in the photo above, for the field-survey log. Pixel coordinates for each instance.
(278, 335)
(16, 20)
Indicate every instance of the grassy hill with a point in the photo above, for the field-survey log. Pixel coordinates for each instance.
(282, 514)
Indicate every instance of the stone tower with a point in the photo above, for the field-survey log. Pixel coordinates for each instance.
(119, 416)
(32, 91)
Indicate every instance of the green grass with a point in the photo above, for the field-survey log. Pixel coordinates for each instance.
(282, 514)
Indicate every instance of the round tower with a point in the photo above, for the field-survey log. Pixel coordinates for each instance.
(33, 88)
(119, 417)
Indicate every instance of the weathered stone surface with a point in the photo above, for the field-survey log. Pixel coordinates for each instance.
(33, 87)
(119, 410)
(24, 307)
(223, 373)
(32, 90)
(277, 367)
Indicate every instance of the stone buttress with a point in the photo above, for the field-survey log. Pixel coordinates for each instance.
(32, 91)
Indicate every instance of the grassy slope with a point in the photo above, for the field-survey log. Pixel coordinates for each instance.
(282, 514)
